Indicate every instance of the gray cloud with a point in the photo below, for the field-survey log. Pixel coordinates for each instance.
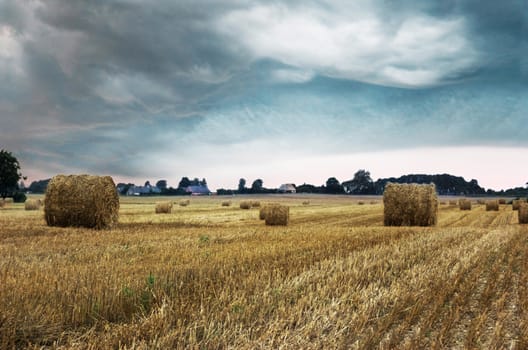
(106, 85)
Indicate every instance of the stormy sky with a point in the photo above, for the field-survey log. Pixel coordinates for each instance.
(286, 91)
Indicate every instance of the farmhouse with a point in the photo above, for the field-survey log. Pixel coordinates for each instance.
(287, 188)
(198, 190)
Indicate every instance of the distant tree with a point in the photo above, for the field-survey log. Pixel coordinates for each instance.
(361, 183)
(204, 182)
(242, 185)
(147, 184)
(9, 174)
(161, 184)
(39, 186)
(256, 187)
(195, 182)
(333, 186)
(184, 183)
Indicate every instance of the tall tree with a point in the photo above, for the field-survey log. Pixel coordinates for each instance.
(9, 174)
(361, 183)
(256, 187)
(333, 186)
(184, 183)
(161, 184)
(242, 185)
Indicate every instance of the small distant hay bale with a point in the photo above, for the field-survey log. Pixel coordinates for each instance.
(255, 204)
(373, 202)
(306, 203)
(361, 203)
(464, 204)
(492, 205)
(410, 205)
(163, 207)
(32, 204)
(185, 203)
(453, 202)
(226, 204)
(278, 215)
(502, 201)
(443, 203)
(245, 205)
(481, 201)
(516, 203)
(523, 213)
(81, 201)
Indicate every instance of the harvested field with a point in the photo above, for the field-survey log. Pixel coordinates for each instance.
(210, 277)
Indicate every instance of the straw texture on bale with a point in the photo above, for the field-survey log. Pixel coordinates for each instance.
(226, 204)
(81, 201)
(464, 204)
(523, 213)
(492, 205)
(163, 207)
(516, 204)
(410, 205)
(245, 205)
(32, 204)
(265, 209)
(278, 215)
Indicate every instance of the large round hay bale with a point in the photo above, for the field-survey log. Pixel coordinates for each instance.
(523, 213)
(163, 207)
(464, 204)
(81, 201)
(245, 205)
(278, 215)
(32, 204)
(410, 205)
(492, 205)
(265, 209)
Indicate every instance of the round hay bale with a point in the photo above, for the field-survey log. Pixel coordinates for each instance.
(306, 203)
(185, 203)
(255, 204)
(226, 204)
(163, 207)
(464, 204)
(516, 204)
(410, 205)
(81, 201)
(481, 201)
(492, 205)
(453, 202)
(373, 202)
(245, 205)
(32, 204)
(278, 215)
(265, 209)
(502, 201)
(2, 203)
(361, 203)
(523, 213)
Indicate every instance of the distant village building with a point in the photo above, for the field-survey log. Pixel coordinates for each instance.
(198, 190)
(287, 188)
(142, 190)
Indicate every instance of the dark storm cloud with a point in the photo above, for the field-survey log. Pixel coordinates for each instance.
(103, 85)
